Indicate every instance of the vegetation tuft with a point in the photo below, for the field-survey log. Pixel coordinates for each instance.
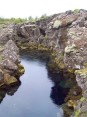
(20, 20)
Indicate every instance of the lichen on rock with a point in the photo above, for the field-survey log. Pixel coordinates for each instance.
(63, 34)
(9, 80)
(70, 48)
(9, 63)
(57, 24)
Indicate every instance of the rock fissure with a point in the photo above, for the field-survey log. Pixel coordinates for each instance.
(64, 35)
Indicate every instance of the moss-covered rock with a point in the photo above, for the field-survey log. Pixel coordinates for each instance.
(21, 70)
(70, 48)
(57, 24)
(64, 33)
(55, 65)
(76, 10)
(68, 111)
(82, 72)
(83, 114)
(42, 47)
(77, 113)
(9, 80)
(71, 103)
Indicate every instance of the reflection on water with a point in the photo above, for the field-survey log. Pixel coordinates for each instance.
(58, 94)
(40, 93)
(9, 91)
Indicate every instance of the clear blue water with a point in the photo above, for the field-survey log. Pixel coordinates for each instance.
(31, 98)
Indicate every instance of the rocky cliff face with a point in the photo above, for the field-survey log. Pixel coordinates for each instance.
(9, 64)
(63, 33)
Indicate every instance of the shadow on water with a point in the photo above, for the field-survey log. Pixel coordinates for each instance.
(58, 93)
(30, 57)
(60, 86)
(9, 91)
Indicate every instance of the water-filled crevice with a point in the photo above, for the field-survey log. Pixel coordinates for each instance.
(11, 90)
(40, 86)
(65, 91)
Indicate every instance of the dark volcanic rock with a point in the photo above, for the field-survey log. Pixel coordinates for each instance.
(11, 52)
(9, 63)
(6, 33)
(10, 57)
(28, 31)
(63, 33)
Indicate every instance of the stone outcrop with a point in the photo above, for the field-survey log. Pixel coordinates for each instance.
(9, 63)
(6, 33)
(64, 34)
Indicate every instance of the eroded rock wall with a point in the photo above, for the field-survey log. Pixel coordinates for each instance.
(9, 63)
(63, 33)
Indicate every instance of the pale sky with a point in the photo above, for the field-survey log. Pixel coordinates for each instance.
(26, 8)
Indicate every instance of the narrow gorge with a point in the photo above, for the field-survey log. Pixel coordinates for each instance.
(60, 39)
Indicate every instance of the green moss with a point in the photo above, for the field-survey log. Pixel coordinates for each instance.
(71, 70)
(84, 114)
(42, 47)
(61, 56)
(71, 96)
(27, 46)
(71, 103)
(1, 48)
(32, 47)
(53, 54)
(61, 65)
(77, 113)
(85, 64)
(1, 84)
(71, 48)
(57, 24)
(82, 72)
(46, 37)
(21, 69)
(23, 47)
(76, 10)
(8, 80)
(1, 58)
(67, 111)
(55, 65)
(82, 99)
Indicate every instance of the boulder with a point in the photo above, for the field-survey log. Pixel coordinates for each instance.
(70, 48)
(62, 20)
(9, 64)
(64, 33)
(9, 80)
(6, 33)
(28, 30)
(11, 52)
(57, 24)
(10, 56)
